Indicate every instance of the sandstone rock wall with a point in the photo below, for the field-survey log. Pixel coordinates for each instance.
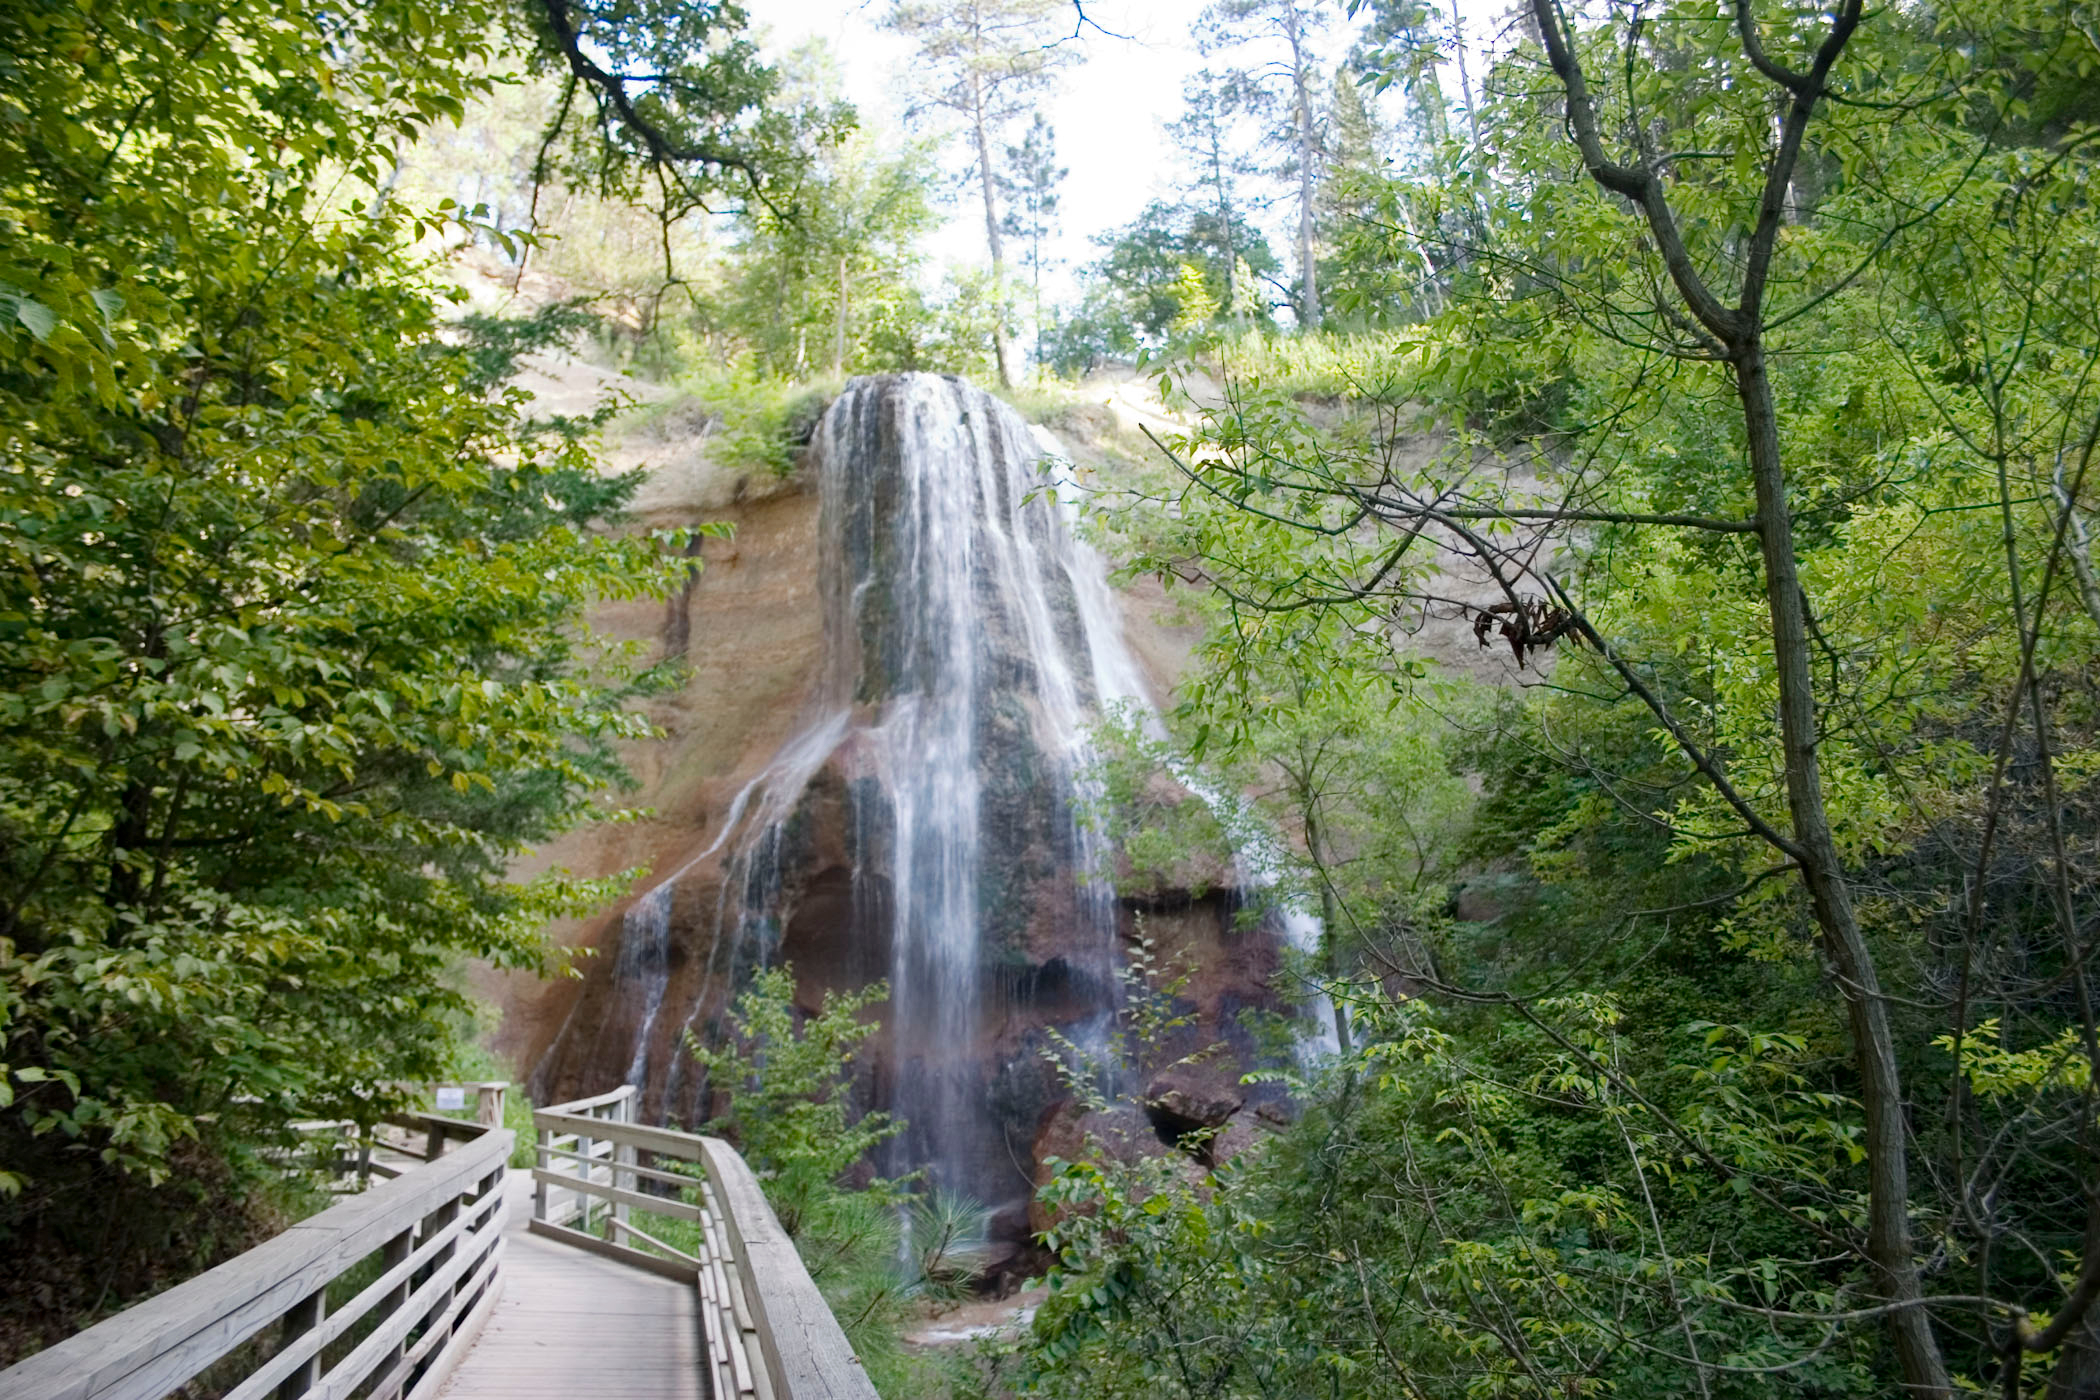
(751, 624)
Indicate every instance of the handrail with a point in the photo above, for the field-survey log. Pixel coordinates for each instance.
(437, 1233)
(770, 1334)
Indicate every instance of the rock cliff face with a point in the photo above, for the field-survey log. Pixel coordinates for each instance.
(872, 775)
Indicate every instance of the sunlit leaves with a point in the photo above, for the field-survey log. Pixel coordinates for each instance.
(289, 586)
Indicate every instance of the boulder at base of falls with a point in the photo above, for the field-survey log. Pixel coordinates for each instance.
(1235, 1138)
(1125, 1134)
(1072, 1132)
(1190, 1097)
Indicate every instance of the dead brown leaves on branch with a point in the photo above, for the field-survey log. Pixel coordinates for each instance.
(1527, 624)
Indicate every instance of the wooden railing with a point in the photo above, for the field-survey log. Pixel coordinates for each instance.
(769, 1332)
(262, 1324)
(342, 1151)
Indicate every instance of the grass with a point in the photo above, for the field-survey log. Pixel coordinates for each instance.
(755, 422)
(1325, 366)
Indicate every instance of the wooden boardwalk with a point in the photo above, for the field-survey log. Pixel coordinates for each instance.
(483, 1290)
(570, 1324)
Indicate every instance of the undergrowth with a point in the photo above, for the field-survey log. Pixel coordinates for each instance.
(752, 421)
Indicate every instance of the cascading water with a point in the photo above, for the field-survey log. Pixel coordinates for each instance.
(970, 641)
(954, 578)
(645, 956)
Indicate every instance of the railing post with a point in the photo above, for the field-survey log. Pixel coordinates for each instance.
(544, 1157)
(582, 1166)
(488, 1104)
(396, 1250)
(432, 1223)
(305, 1315)
(623, 1156)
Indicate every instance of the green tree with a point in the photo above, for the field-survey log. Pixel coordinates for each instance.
(1205, 135)
(1280, 85)
(666, 106)
(1424, 220)
(290, 585)
(982, 62)
(1362, 201)
(1029, 186)
(834, 259)
(1135, 293)
(1753, 434)
(787, 1080)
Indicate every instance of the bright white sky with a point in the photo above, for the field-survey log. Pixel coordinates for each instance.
(1107, 113)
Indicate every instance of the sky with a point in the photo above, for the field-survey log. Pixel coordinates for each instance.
(1107, 112)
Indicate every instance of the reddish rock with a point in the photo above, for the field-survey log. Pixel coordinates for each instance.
(1234, 1139)
(1071, 1132)
(1188, 1097)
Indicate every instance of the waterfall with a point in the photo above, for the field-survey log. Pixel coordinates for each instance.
(645, 956)
(953, 581)
(970, 641)
(1117, 681)
(924, 820)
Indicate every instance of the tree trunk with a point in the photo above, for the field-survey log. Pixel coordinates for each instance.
(1886, 1137)
(1230, 249)
(838, 330)
(2079, 545)
(1000, 350)
(1308, 151)
(2077, 1373)
(1465, 78)
(1738, 331)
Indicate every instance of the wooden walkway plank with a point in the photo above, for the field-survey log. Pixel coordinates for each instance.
(571, 1324)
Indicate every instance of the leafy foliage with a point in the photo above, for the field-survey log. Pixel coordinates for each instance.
(788, 1083)
(788, 1079)
(290, 597)
(1768, 967)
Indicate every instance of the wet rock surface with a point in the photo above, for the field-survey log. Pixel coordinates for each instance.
(1189, 1098)
(914, 646)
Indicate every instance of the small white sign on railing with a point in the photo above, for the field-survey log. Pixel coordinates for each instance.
(451, 1098)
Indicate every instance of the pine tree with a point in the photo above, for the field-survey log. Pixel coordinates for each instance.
(981, 61)
(1361, 210)
(1029, 185)
(1282, 85)
(1212, 105)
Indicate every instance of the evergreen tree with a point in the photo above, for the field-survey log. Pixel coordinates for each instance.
(982, 62)
(1359, 205)
(1029, 185)
(1281, 79)
(1206, 135)
(1430, 218)
(1140, 293)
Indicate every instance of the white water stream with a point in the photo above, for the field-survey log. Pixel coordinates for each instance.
(971, 641)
